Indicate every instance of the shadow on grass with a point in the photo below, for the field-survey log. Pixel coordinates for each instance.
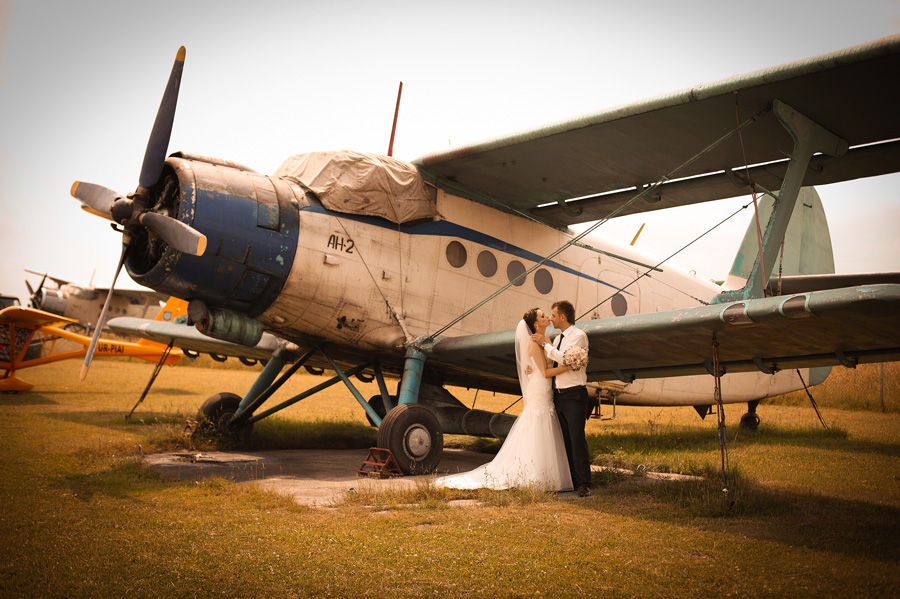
(852, 528)
(123, 480)
(25, 399)
(662, 439)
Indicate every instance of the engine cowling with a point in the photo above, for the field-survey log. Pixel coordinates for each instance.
(251, 223)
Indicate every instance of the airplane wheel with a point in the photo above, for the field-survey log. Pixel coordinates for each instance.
(216, 412)
(247, 361)
(414, 436)
(750, 421)
(218, 358)
(377, 404)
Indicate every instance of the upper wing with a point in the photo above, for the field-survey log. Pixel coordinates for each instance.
(822, 328)
(188, 338)
(612, 155)
(31, 318)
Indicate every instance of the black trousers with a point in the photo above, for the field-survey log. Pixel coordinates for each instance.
(572, 409)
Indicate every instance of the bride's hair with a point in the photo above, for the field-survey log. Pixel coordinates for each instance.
(530, 318)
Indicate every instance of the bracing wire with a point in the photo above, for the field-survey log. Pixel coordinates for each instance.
(640, 195)
(720, 416)
(648, 271)
(759, 238)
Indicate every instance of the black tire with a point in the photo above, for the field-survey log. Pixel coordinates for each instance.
(247, 361)
(190, 353)
(314, 371)
(750, 421)
(414, 436)
(377, 403)
(218, 358)
(216, 412)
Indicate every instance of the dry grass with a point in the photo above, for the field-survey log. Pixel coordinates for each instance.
(866, 387)
(816, 513)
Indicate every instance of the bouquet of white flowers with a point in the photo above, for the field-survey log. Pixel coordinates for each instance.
(575, 358)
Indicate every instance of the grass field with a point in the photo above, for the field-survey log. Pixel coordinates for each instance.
(810, 513)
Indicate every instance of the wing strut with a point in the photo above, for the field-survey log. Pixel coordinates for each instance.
(809, 138)
(159, 365)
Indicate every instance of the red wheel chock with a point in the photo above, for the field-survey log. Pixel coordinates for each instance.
(380, 463)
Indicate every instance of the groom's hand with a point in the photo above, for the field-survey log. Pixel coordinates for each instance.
(540, 339)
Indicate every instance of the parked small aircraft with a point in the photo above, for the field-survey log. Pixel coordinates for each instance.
(30, 337)
(369, 265)
(83, 304)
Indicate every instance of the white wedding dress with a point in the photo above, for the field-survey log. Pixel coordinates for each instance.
(533, 454)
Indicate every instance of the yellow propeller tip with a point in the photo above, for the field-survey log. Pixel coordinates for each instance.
(181, 53)
(201, 246)
(83, 374)
(74, 188)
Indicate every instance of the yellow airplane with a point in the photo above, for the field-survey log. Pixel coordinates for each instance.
(30, 337)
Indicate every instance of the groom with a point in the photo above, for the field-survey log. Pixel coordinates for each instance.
(570, 395)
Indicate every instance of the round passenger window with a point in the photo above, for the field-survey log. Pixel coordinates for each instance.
(487, 264)
(543, 281)
(456, 254)
(619, 305)
(515, 269)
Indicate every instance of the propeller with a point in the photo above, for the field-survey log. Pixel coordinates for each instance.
(96, 336)
(35, 299)
(136, 210)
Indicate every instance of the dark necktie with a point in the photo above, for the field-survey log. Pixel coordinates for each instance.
(555, 364)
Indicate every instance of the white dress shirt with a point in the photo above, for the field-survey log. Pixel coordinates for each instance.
(569, 378)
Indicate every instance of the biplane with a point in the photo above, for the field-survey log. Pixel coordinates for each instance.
(84, 303)
(372, 266)
(30, 338)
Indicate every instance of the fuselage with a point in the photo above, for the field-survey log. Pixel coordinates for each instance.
(363, 286)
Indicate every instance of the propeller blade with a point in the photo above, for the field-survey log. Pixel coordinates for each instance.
(90, 210)
(35, 299)
(158, 144)
(96, 337)
(96, 197)
(180, 236)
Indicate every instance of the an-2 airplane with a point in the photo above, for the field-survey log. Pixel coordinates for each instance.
(366, 264)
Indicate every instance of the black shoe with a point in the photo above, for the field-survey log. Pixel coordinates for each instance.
(584, 491)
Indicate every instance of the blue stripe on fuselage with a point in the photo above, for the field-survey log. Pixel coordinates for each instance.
(443, 228)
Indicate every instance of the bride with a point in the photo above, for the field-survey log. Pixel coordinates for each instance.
(533, 454)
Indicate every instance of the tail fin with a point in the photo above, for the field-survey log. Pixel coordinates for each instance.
(172, 309)
(807, 242)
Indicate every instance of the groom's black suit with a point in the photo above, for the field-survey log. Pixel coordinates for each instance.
(572, 410)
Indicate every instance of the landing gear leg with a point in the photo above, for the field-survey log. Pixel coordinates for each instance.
(411, 431)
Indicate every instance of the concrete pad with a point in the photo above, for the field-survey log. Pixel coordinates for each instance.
(310, 476)
(321, 477)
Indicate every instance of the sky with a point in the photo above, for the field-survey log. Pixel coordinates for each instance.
(80, 84)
